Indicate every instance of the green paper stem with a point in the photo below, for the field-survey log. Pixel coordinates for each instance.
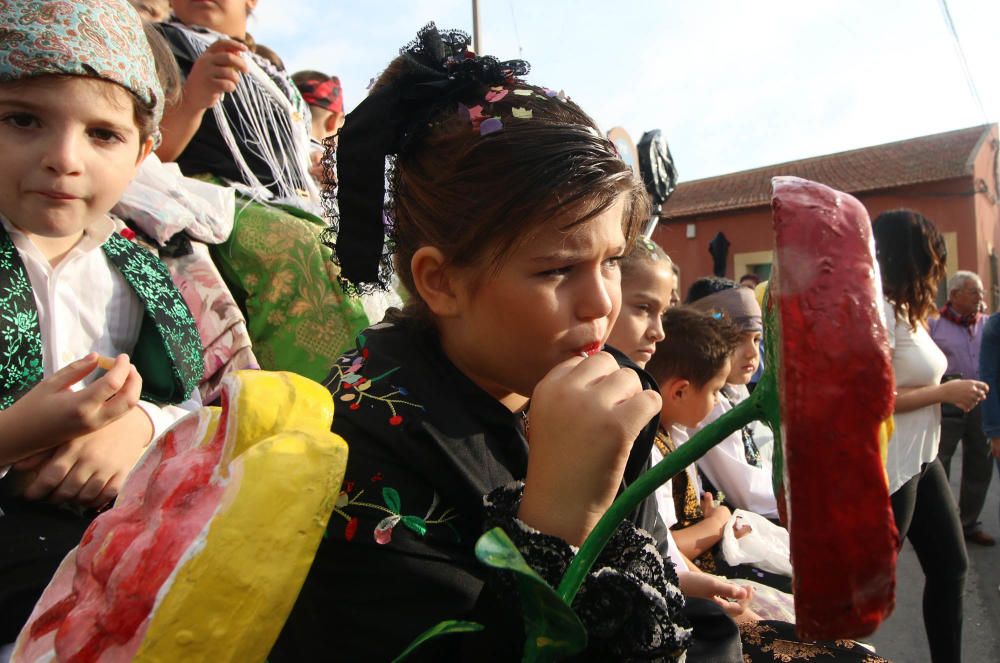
(762, 404)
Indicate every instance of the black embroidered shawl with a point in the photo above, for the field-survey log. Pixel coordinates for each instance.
(426, 445)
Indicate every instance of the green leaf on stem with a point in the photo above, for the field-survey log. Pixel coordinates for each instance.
(552, 629)
(448, 627)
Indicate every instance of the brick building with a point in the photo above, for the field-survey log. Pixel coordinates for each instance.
(952, 178)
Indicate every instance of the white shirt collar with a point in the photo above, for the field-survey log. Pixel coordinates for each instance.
(94, 236)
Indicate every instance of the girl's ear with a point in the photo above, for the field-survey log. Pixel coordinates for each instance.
(434, 281)
(144, 151)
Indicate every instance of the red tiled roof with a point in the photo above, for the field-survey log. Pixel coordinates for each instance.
(925, 159)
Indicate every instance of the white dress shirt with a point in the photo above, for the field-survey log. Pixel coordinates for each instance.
(746, 486)
(85, 305)
(665, 505)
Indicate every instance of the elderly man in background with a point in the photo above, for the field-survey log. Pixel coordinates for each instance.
(958, 332)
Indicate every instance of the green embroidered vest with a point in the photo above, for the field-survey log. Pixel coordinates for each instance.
(168, 354)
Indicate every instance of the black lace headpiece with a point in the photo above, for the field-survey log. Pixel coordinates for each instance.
(441, 71)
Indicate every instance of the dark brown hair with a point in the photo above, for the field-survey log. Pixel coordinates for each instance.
(695, 348)
(911, 256)
(476, 198)
(270, 55)
(708, 285)
(167, 71)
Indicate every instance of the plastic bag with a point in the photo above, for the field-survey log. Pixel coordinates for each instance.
(162, 202)
(766, 546)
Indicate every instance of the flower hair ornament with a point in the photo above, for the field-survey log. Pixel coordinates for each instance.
(440, 72)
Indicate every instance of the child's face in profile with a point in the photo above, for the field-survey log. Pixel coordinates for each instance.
(746, 358)
(68, 149)
(694, 403)
(555, 296)
(645, 298)
(325, 123)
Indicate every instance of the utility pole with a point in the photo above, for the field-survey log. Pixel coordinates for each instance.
(477, 44)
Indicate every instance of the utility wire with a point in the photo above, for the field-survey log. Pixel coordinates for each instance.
(517, 36)
(961, 58)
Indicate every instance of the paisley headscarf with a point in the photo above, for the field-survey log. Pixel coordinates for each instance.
(94, 38)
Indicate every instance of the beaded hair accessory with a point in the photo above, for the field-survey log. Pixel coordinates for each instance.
(440, 72)
(738, 304)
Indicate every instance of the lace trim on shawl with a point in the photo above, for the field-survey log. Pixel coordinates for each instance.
(629, 603)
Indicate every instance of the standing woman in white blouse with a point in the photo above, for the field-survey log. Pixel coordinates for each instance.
(911, 255)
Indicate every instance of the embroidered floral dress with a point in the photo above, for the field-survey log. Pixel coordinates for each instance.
(426, 447)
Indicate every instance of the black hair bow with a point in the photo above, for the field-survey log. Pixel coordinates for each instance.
(439, 70)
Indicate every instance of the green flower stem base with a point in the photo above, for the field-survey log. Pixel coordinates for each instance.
(762, 405)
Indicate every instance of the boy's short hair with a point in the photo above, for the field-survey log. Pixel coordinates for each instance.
(695, 347)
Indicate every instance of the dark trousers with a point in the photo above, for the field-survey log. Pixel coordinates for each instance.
(977, 470)
(925, 512)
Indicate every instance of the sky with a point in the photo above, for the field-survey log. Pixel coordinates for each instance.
(731, 84)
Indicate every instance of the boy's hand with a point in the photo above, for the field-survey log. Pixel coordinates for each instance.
(214, 73)
(52, 413)
(712, 510)
(91, 469)
(734, 599)
(585, 415)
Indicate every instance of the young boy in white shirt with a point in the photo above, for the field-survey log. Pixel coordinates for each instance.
(740, 465)
(79, 110)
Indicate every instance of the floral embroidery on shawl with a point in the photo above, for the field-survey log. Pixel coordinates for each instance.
(392, 507)
(350, 383)
(354, 387)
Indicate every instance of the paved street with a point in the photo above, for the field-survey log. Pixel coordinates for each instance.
(902, 638)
